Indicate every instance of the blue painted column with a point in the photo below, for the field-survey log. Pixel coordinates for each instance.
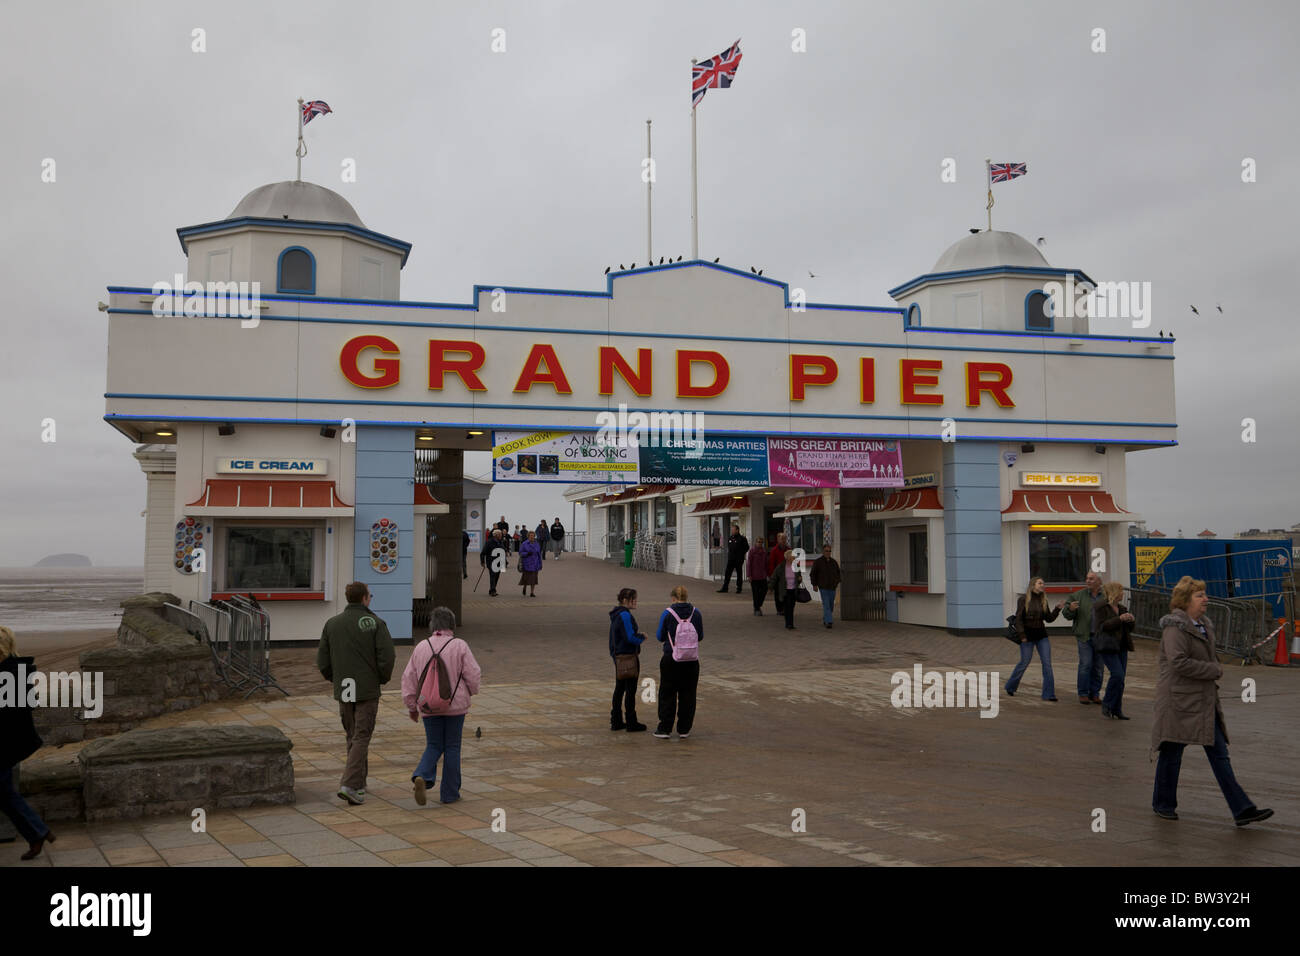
(972, 527)
(386, 489)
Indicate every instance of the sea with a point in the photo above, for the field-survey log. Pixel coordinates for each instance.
(45, 600)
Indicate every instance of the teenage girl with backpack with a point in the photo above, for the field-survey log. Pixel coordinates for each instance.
(681, 628)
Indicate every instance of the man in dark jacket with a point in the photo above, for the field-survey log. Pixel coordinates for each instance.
(356, 653)
(18, 741)
(825, 577)
(737, 548)
(557, 538)
(495, 556)
(543, 537)
(624, 638)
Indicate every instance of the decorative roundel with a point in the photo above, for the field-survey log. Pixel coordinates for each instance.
(189, 544)
(383, 545)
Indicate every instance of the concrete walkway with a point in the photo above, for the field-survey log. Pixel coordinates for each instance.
(791, 726)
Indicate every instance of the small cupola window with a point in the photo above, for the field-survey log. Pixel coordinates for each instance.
(1038, 312)
(296, 271)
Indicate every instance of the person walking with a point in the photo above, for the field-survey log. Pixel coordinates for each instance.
(464, 553)
(1078, 608)
(1112, 636)
(1187, 707)
(520, 536)
(785, 582)
(737, 548)
(681, 628)
(756, 568)
(825, 578)
(625, 641)
(18, 741)
(1032, 618)
(356, 653)
(530, 562)
(557, 539)
(776, 553)
(444, 718)
(543, 537)
(495, 556)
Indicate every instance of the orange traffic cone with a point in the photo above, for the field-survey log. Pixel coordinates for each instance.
(1281, 658)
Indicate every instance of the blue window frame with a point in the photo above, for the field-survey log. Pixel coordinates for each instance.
(913, 316)
(1038, 312)
(296, 271)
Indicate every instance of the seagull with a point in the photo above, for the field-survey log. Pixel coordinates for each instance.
(1220, 308)
(478, 731)
(1193, 308)
(810, 274)
(606, 270)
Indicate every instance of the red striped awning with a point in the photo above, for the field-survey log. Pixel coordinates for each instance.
(803, 505)
(905, 501)
(716, 506)
(1063, 504)
(249, 495)
(427, 504)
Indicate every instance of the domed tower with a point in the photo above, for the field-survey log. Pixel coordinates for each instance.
(992, 281)
(298, 239)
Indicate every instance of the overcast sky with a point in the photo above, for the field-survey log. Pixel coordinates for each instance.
(523, 168)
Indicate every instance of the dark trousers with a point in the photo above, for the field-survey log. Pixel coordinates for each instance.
(493, 577)
(1171, 761)
(624, 699)
(26, 820)
(787, 607)
(1117, 663)
(759, 589)
(678, 681)
(737, 565)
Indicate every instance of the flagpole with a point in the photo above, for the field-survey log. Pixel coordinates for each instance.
(302, 146)
(695, 195)
(988, 172)
(649, 186)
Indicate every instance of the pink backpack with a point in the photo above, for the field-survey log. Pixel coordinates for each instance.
(687, 645)
(435, 690)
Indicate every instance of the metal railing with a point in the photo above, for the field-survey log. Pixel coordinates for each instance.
(1239, 629)
(240, 637)
(650, 551)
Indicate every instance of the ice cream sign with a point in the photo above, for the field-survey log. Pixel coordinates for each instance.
(271, 466)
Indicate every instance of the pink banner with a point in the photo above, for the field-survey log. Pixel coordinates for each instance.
(834, 463)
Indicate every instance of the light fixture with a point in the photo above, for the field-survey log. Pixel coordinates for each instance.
(327, 432)
(424, 438)
(473, 433)
(1062, 527)
(769, 492)
(225, 431)
(737, 497)
(164, 434)
(1026, 449)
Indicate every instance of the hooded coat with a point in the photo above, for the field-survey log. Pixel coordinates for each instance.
(1187, 690)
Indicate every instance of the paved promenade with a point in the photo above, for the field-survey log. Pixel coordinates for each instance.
(790, 725)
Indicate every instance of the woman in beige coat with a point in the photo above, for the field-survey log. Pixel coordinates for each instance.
(1187, 705)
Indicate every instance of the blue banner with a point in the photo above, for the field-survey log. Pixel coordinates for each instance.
(722, 461)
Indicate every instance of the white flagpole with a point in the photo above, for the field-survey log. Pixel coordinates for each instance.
(695, 194)
(301, 151)
(988, 172)
(649, 185)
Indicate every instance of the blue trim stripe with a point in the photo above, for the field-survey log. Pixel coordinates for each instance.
(185, 233)
(608, 333)
(1047, 272)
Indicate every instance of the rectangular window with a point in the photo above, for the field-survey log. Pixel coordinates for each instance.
(807, 531)
(1058, 557)
(666, 518)
(265, 558)
(918, 557)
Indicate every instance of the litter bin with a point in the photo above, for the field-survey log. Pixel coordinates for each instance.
(628, 545)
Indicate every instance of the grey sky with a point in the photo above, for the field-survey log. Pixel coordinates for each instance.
(522, 168)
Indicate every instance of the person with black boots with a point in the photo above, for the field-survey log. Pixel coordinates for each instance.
(495, 556)
(18, 741)
(737, 548)
(624, 642)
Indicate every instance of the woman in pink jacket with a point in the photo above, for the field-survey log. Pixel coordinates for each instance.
(444, 720)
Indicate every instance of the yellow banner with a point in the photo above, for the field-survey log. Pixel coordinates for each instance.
(528, 441)
(1147, 559)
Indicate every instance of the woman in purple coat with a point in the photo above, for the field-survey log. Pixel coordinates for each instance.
(530, 562)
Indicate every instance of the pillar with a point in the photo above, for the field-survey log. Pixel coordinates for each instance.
(385, 488)
(972, 524)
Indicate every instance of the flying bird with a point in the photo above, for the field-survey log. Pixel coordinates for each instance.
(1220, 308)
(810, 274)
(1193, 308)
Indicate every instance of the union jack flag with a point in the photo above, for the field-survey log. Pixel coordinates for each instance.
(1001, 172)
(717, 71)
(314, 108)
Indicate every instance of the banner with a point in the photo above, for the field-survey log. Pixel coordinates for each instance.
(559, 456)
(725, 461)
(834, 463)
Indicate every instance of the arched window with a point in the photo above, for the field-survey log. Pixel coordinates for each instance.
(913, 316)
(296, 271)
(1038, 312)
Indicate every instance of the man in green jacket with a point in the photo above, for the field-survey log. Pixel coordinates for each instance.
(1078, 608)
(356, 653)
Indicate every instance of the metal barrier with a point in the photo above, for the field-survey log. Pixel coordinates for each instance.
(1239, 629)
(650, 551)
(241, 642)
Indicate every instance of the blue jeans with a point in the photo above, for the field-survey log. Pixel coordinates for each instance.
(1089, 669)
(442, 739)
(1044, 657)
(1117, 664)
(1165, 796)
(828, 605)
(25, 820)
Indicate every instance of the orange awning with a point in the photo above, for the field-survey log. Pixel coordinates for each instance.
(910, 503)
(1037, 505)
(272, 498)
(716, 506)
(803, 505)
(427, 504)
